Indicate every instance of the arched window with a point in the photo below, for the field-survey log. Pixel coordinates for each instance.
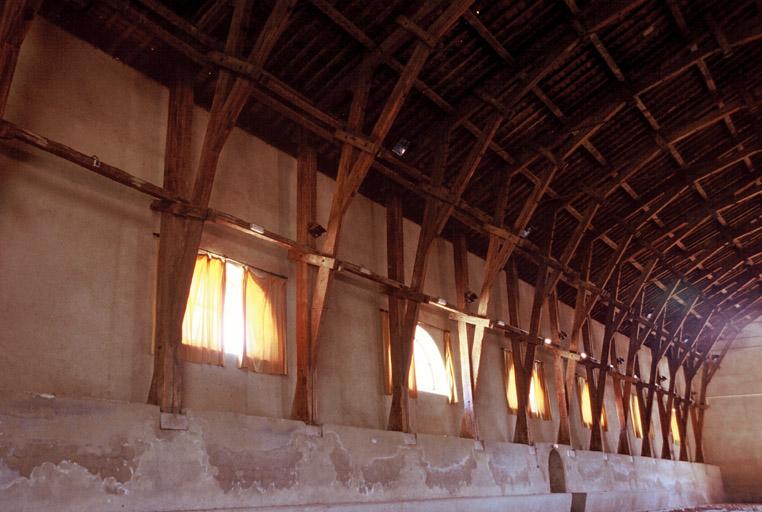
(430, 372)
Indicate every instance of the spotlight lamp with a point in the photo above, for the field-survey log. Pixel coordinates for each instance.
(316, 230)
(401, 147)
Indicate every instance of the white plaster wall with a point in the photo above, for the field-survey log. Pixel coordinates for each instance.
(733, 422)
(79, 259)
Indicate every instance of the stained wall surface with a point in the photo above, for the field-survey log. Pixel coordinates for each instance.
(733, 422)
(85, 454)
(79, 262)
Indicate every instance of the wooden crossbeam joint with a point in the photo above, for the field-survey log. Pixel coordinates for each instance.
(358, 141)
(409, 25)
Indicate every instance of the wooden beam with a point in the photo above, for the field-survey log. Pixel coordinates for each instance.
(166, 383)
(15, 19)
(303, 407)
(395, 257)
(559, 378)
(468, 424)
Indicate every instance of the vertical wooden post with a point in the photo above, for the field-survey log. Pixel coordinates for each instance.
(564, 435)
(303, 407)
(666, 416)
(520, 432)
(166, 386)
(684, 409)
(395, 257)
(15, 18)
(698, 428)
(468, 425)
(646, 448)
(596, 402)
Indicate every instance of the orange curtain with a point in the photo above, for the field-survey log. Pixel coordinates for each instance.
(509, 375)
(675, 428)
(538, 393)
(450, 368)
(387, 342)
(637, 423)
(586, 405)
(202, 323)
(264, 323)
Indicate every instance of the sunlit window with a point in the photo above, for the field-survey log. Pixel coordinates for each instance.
(238, 310)
(637, 424)
(586, 405)
(430, 371)
(539, 406)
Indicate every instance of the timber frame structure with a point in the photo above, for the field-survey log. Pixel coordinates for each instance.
(608, 152)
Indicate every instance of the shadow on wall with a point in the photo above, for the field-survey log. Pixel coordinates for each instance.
(556, 472)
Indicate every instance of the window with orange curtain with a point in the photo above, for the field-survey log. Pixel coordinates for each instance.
(539, 406)
(235, 309)
(429, 370)
(586, 405)
(265, 322)
(202, 323)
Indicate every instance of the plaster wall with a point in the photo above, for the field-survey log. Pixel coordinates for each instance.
(733, 422)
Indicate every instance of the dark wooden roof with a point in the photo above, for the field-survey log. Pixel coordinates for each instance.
(666, 92)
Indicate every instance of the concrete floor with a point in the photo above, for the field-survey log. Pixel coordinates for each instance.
(726, 507)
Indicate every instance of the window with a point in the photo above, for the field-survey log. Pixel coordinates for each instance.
(675, 428)
(586, 405)
(637, 424)
(429, 371)
(539, 406)
(235, 309)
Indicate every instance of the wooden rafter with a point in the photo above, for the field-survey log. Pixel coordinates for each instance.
(15, 19)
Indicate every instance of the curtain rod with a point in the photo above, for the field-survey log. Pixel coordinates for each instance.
(211, 253)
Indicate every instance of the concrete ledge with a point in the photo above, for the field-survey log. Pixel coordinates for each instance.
(528, 503)
(632, 501)
(70, 455)
(73, 454)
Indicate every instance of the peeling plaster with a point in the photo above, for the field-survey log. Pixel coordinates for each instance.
(451, 477)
